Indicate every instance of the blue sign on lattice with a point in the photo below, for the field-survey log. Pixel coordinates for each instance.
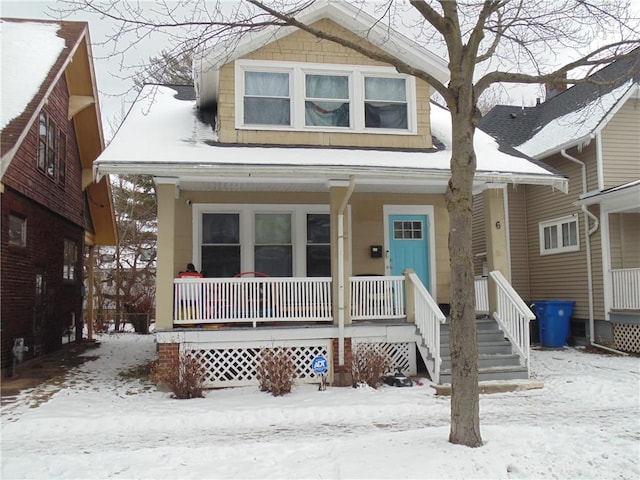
(319, 364)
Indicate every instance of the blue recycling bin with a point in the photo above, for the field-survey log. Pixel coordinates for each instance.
(553, 321)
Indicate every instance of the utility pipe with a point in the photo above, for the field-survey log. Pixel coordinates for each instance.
(341, 297)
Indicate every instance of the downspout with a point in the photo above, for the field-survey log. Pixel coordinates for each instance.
(588, 232)
(341, 297)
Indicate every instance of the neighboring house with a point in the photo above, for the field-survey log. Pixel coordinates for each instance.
(303, 180)
(584, 246)
(51, 207)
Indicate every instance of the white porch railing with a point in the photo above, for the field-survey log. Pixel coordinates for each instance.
(240, 300)
(625, 284)
(513, 316)
(377, 297)
(482, 294)
(428, 318)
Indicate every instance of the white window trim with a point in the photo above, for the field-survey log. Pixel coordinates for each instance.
(297, 71)
(247, 230)
(558, 222)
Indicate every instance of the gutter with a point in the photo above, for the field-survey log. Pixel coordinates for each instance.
(588, 233)
(341, 289)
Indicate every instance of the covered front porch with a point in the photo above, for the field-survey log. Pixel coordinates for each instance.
(225, 323)
(620, 232)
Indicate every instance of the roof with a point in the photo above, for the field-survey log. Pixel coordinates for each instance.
(36, 54)
(625, 197)
(569, 118)
(164, 135)
(349, 16)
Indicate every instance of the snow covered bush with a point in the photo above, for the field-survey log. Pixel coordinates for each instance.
(276, 371)
(183, 376)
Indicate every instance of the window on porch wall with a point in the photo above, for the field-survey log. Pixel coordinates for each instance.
(274, 242)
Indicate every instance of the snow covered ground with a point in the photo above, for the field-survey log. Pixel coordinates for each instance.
(584, 423)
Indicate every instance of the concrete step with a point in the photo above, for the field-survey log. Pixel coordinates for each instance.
(491, 374)
(484, 348)
(488, 361)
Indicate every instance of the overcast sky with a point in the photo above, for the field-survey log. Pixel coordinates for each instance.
(114, 77)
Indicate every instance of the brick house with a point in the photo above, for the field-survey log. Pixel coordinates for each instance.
(52, 209)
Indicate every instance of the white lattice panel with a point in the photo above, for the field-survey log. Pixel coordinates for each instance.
(626, 337)
(233, 366)
(399, 354)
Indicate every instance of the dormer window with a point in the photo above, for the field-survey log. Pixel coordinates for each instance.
(385, 103)
(266, 98)
(324, 97)
(326, 101)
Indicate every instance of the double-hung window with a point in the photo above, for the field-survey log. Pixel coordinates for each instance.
(326, 100)
(278, 240)
(267, 98)
(559, 235)
(52, 149)
(385, 103)
(17, 231)
(324, 97)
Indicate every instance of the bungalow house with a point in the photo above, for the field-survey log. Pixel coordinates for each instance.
(306, 183)
(584, 246)
(52, 209)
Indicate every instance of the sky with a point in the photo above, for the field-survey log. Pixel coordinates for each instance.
(94, 423)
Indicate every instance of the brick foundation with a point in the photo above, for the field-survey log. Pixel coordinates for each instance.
(168, 355)
(342, 374)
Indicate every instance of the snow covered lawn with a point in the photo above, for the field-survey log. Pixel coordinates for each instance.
(584, 423)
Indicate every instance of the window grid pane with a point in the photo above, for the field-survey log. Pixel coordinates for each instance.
(407, 230)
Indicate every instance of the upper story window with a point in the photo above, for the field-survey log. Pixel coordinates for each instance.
(266, 98)
(321, 97)
(52, 149)
(559, 235)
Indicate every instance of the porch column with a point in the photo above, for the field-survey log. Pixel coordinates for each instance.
(166, 195)
(339, 193)
(496, 230)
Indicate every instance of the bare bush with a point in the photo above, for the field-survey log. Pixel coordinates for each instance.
(369, 365)
(276, 371)
(184, 376)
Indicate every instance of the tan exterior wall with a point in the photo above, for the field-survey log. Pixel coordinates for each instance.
(621, 145)
(624, 236)
(303, 47)
(479, 240)
(367, 226)
(518, 240)
(564, 275)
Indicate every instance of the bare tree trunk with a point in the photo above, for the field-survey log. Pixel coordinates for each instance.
(465, 411)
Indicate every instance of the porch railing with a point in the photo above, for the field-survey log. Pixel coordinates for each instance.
(374, 297)
(513, 316)
(241, 300)
(428, 318)
(625, 284)
(482, 294)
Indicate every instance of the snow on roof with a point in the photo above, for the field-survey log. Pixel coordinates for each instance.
(161, 129)
(29, 50)
(574, 126)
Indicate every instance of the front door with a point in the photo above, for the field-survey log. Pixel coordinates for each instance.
(409, 246)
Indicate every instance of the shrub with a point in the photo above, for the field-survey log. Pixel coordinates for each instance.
(184, 377)
(276, 371)
(369, 365)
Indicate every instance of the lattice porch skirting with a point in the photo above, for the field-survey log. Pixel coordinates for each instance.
(626, 337)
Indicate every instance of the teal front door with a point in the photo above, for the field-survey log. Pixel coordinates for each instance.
(408, 246)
